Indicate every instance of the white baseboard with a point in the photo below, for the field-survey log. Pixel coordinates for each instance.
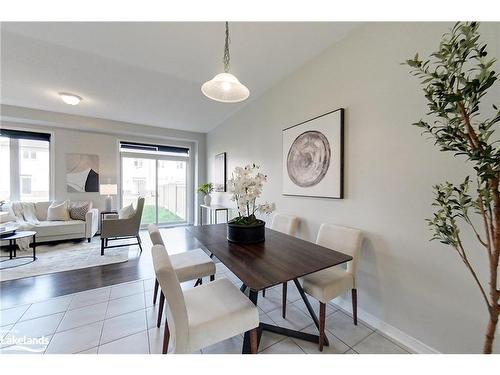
(411, 343)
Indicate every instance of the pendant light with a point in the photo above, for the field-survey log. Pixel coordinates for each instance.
(225, 87)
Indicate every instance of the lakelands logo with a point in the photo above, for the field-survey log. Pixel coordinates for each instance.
(24, 343)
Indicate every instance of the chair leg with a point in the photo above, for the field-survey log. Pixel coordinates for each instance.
(155, 293)
(166, 339)
(160, 309)
(253, 341)
(102, 246)
(322, 313)
(139, 242)
(355, 306)
(283, 314)
(88, 240)
(264, 292)
(212, 277)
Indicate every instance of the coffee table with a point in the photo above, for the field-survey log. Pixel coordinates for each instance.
(13, 246)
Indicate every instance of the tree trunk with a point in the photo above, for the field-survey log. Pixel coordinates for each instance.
(490, 333)
(494, 260)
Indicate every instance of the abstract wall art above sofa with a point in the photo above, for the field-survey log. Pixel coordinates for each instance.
(82, 173)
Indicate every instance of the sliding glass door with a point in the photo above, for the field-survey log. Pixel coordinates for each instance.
(162, 182)
(139, 180)
(171, 202)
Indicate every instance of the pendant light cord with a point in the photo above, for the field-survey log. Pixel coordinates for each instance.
(226, 50)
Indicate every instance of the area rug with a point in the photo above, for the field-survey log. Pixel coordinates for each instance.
(62, 256)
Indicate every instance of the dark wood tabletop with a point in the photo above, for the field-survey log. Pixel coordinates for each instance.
(278, 259)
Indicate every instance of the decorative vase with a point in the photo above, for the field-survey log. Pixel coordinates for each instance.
(207, 199)
(246, 234)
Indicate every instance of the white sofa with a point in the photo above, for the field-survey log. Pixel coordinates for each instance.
(64, 230)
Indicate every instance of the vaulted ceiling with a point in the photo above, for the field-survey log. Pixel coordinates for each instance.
(151, 73)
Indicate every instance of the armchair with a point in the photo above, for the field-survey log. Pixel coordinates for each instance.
(119, 229)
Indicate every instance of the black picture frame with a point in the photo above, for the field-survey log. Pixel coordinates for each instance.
(220, 177)
(341, 193)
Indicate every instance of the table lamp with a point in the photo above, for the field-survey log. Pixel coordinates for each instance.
(109, 190)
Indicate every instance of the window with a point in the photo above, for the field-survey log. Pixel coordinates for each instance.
(25, 165)
(25, 185)
(5, 168)
(27, 154)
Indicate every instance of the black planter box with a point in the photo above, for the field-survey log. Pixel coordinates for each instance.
(245, 235)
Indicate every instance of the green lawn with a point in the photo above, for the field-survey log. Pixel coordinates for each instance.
(164, 215)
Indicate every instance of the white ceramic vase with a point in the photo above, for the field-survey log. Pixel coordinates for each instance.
(207, 199)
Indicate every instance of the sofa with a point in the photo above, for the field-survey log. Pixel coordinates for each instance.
(48, 231)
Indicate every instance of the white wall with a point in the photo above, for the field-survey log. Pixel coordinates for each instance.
(79, 134)
(418, 287)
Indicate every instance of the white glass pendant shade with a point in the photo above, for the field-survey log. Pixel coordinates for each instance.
(70, 99)
(225, 87)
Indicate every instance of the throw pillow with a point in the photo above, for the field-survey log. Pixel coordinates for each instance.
(58, 211)
(78, 210)
(126, 212)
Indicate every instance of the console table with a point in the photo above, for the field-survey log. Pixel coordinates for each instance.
(213, 208)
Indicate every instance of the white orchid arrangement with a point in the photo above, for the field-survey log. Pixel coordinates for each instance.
(246, 186)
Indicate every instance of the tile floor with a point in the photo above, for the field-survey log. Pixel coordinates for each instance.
(121, 320)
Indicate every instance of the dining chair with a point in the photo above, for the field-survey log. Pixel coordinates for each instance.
(285, 224)
(332, 282)
(190, 265)
(205, 315)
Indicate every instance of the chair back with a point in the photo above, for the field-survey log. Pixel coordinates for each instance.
(285, 224)
(342, 239)
(136, 219)
(170, 286)
(155, 235)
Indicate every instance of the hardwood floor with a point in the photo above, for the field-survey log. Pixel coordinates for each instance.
(139, 266)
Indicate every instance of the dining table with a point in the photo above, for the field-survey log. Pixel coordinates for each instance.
(279, 259)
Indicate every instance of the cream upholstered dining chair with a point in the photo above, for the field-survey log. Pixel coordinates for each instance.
(205, 315)
(332, 282)
(285, 224)
(190, 265)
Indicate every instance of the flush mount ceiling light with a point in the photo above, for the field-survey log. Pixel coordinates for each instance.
(225, 87)
(71, 99)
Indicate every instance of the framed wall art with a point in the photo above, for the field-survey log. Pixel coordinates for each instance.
(82, 173)
(313, 157)
(220, 172)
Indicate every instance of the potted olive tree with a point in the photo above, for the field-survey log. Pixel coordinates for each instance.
(206, 189)
(454, 80)
(245, 187)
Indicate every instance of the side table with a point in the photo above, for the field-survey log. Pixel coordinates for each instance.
(103, 214)
(13, 246)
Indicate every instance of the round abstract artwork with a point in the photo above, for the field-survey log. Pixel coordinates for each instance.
(308, 158)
